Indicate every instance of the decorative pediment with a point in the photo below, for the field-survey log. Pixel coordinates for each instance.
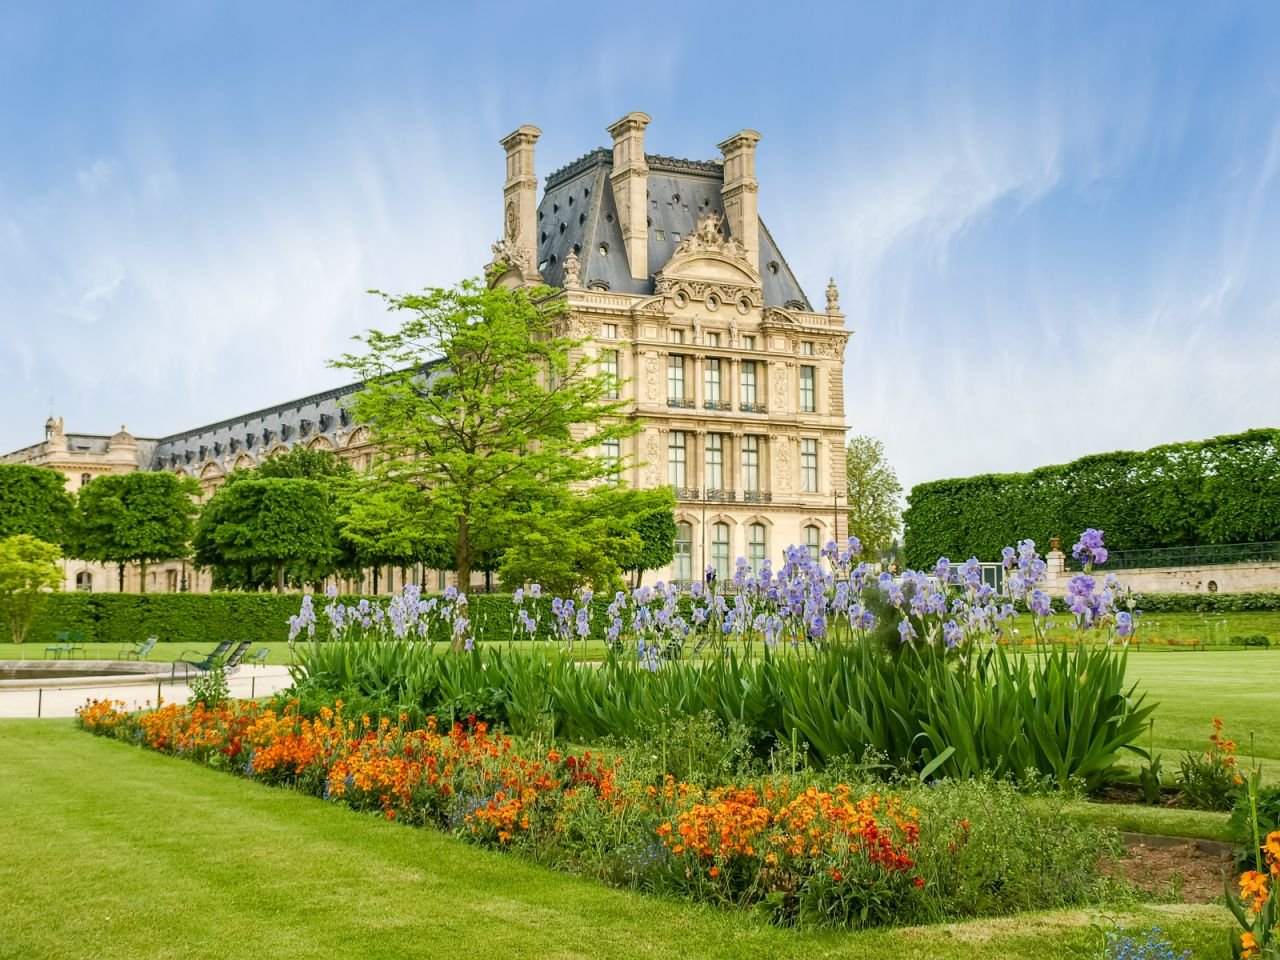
(706, 259)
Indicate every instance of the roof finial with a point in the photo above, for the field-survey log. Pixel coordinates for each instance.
(833, 297)
(571, 280)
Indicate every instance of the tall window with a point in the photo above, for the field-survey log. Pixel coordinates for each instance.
(807, 391)
(84, 479)
(715, 461)
(811, 537)
(683, 561)
(748, 381)
(609, 367)
(809, 466)
(720, 550)
(750, 463)
(84, 581)
(675, 377)
(676, 459)
(713, 379)
(756, 549)
(611, 451)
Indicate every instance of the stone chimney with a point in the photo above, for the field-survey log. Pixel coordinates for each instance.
(741, 190)
(631, 189)
(520, 201)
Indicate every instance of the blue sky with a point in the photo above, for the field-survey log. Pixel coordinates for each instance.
(1056, 228)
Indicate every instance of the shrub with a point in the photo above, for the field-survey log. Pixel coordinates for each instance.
(1253, 640)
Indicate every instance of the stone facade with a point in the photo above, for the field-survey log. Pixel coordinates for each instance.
(1207, 578)
(668, 271)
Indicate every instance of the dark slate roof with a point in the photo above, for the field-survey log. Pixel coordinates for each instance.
(301, 420)
(578, 212)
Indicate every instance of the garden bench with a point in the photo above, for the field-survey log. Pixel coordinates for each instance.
(206, 661)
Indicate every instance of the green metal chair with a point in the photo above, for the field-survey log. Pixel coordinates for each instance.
(139, 652)
(206, 661)
(259, 657)
(61, 644)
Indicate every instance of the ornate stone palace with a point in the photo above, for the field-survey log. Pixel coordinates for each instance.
(667, 268)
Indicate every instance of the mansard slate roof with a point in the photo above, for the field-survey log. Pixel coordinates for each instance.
(578, 213)
(296, 421)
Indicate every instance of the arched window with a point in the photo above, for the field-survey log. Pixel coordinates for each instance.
(720, 550)
(682, 565)
(84, 479)
(757, 549)
(812, 540)
(84, 581)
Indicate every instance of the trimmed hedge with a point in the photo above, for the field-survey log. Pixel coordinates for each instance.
(1222, 490)
(200, 618)
(1206, 602)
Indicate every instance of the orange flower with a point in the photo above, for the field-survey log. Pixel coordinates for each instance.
(1254, 884)
(714, 872)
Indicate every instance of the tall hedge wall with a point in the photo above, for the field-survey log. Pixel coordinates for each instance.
(1221, 490)
(194, 618)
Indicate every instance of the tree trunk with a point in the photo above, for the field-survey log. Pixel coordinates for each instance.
(279, 578)
(464, 569)
(120, 569)
(142, 576)
(375, 579)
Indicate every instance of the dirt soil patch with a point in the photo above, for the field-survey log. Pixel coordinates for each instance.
(1180, 871)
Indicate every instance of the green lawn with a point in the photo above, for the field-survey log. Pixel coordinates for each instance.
(1165, 631)
(160, 653)
(113, 852)
(1193, 687)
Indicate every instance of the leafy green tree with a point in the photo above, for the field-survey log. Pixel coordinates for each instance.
(590, 538)
(305, 463)
(35, 501)
(513, 412)
(263, 531)
(873, 491)
(135, 518)
(28, 572)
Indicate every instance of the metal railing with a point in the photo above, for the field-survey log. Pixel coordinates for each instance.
(1202, 555)
(753, 408)
(757, 496)
(722, 496)
(718, 405)
(687, 493)
(680, 402)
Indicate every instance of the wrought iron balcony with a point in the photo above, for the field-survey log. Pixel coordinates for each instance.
(754, 408)
(722, 496)
(718, 405)
(687, 493)
(680, 402)
(757, 496)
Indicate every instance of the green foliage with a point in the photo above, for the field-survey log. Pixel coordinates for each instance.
(304, 463)
(873, 491)
(1208, 602)
(34, 501)
(28, 570)
(1211, 780)
(1064, 715)
(592, 538)
(195, 619)
(135, 518)
(1242, 822)
(1222, 490)
(1252, 640)
(258, 531)
(508, 414)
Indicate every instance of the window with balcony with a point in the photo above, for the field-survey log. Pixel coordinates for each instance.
(715, 462)
(609, 367)
(809, 466)
(677, 452)
(808, 393)
(682, 563)
(750, 464)
(675, 382)
(757, 549)
(749, 398)
(713, 383)
(720, 550)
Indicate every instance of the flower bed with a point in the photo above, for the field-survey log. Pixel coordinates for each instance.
(799, 848)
